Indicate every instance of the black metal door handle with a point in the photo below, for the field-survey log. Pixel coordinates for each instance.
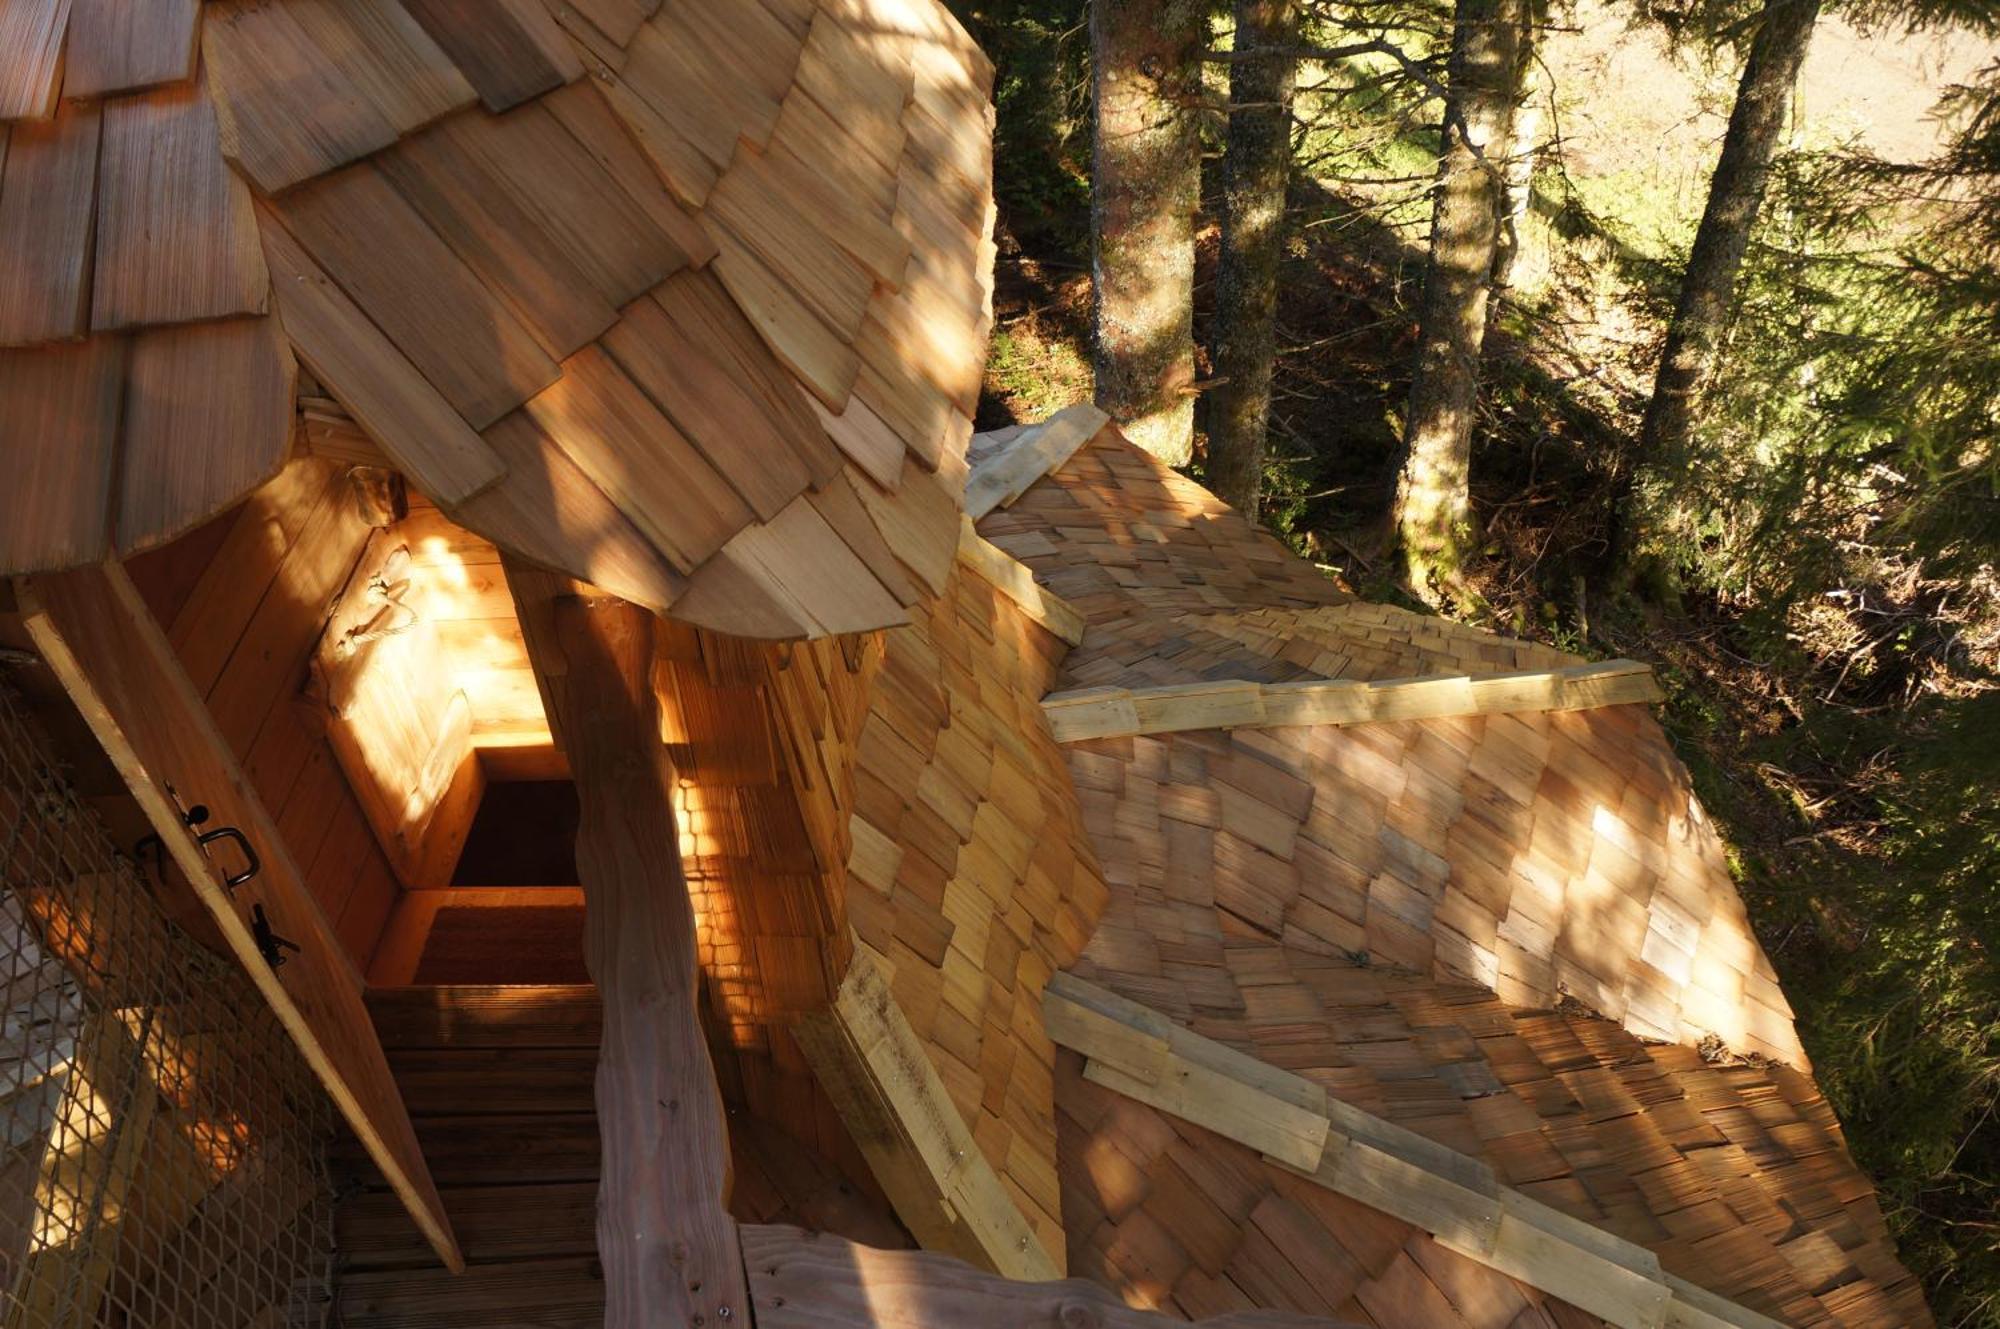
(252, 864)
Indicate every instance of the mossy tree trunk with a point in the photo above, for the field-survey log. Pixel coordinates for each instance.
(1145, 190)
(1433, 510)
(1259, 172)
(1708, 287)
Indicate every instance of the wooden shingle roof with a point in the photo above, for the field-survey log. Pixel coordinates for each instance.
(1513, 933)
(689, 300)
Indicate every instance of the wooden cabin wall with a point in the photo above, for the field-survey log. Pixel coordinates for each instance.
(243, 599)
(970, 873)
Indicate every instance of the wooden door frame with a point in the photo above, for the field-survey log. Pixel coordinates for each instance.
(113, 659)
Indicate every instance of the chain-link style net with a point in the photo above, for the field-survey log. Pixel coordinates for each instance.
(162, 1143)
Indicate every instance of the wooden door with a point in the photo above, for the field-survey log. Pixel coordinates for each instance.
(117, 665)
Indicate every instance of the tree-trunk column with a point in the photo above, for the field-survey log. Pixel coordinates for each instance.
(664, 1234)
(1146, 187)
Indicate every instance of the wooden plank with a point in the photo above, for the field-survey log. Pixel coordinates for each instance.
(873, 1066)
(582, 109)
(1001, 477)
(399, 952)
(388, 58)
(1011, 577)
(124, 45)
(821, 360)
(208, 418)
(545, 1294)
(47, 212)
(667, 1243)
(480, 218)
(116, 664)
(460, 335)
(634, 455)
(810, 1280)
(1120, 712)
(59, 434)
(511, 50)
(487, 1016)
(695, 383)
(794, 572)
(31, 57)
(285, 112)
(176, 233)
(494, 1224)
(375, 382)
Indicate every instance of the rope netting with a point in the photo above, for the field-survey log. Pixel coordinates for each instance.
(162, 1143)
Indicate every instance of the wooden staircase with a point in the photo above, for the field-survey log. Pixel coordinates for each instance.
(499, 1082)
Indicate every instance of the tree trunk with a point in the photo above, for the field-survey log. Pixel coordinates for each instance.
(1523, 144)
(1259, 166)
(1145, 189)
(1433, 511)
(1735, 193)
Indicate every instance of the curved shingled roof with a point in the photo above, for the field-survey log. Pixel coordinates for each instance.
(687, 299)
(1513, 934)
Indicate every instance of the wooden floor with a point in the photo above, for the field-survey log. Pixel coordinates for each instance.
(499, 1081)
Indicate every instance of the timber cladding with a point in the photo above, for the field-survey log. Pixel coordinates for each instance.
(971, 877)
(689, 300)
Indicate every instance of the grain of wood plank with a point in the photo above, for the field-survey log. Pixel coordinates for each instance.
(59, 433)
(809, 1280)
(796, 335)
(1012, 579)
(799, 563)
(286, 112)
(479, 216)
(511, 50)
(668, 1245)
(487, 1016)
(867, 442)
(545, 1294)
(634, 455)
(124, 45)
(459, 334)
(550, 512)
(609, 235)
(583, 110)
(31, 56)
(116, 663)
(208, 418)
(688, 173)
(388, 57)
(47, 213)
(694, 380)
(705, 107)
(176, 232)
(493, 1223)
(383, 390)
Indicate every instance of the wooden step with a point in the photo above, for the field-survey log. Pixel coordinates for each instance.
(506, 1081)
(495, 1150)
(472, 1016)
(526, 1294)
(493, 1223)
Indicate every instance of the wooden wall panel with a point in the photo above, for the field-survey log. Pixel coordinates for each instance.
(249, 595)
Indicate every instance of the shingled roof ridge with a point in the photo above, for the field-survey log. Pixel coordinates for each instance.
(1313, 1129)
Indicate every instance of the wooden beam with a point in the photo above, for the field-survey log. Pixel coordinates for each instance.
(1138, 1052)
(1003, 476)
(1011, 577)
(664, 1234)
(113, 659)
(872, 1065)
(810, 1280)
(1124, 712)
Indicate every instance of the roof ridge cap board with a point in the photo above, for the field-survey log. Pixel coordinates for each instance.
(1138, 1052)
(1241, 704)
(997, 480)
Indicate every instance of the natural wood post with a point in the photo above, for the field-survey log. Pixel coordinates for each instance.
(664, 1233)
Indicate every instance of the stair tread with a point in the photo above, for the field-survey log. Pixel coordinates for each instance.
(480, 1015)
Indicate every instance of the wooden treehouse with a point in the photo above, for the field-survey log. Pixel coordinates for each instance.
(512, 644)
